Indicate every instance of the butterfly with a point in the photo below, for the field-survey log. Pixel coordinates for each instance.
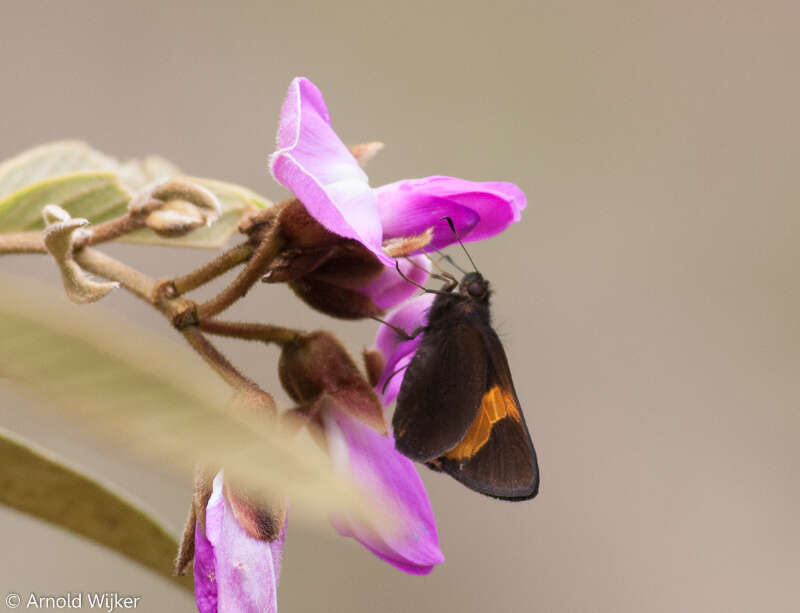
(457, 410)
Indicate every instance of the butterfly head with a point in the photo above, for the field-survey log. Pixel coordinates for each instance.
(474, 287)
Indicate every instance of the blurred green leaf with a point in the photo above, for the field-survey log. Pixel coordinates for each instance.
(147, 397)
(51, 160)
(35, 482)
(95, 196)
(90, 184)
(136, 174)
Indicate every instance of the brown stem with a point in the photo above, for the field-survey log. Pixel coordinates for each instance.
(22, 242)
(250, 332)
(112, 229)
(31, 242)
(137, 283)
(100, 264)
(144, 287)
(269, 247)
(220, 363)
(212, 270)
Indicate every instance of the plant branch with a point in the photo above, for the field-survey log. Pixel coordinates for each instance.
(99, 263)
(139, 284)
(224, 368)
(112, 229)
(22, 242)
(256, 267)
(180, 311)
(215, 268)
(250, 332)
(31, 242)
(144, 287)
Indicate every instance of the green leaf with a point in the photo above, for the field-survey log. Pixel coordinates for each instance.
(136, 174)
(36, 482)
(51, 160)
(148, 398)
(95, 196)
(90, 184)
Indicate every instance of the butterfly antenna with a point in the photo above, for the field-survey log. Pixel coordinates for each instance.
(412, 282)
(442, 275)
(451, 261)
(453, 230)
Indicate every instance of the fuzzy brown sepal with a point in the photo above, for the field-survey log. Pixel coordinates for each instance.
(315, 370)
(261, 520)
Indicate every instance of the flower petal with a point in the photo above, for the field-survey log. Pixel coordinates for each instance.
(390, 289)
(317, 167)
(276, 549)
(233, 570)
(374, 463)
(478, 209)
(205, 586)
(390, 385)
(398, 352)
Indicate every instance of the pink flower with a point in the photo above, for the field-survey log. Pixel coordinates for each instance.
(390, 289)
(320, 376)
(479, 210)
(373, 462)
(313, 162)
(317, 166)
(233, 571)
(397, 351)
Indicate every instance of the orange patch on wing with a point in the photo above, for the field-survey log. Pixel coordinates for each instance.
(496, 404)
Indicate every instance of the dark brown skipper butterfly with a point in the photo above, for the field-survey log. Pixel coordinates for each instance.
(457, 410)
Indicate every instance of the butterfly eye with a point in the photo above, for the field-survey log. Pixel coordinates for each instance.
(476, 289)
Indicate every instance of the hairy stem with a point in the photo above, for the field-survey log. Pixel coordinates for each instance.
(250, 332)
(179, 311)
(215, 268)
(22, 242)
(269, 247)
(224, 368)
(112, 229)
(144, 287)
(103, 265)
(31, 242)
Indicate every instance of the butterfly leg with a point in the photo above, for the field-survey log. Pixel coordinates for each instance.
(451, 261)
(442, 275)
(396, 372)
(400, 332)
(422, 287)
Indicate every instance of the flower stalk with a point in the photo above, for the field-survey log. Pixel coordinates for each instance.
(255, 268)
(225, 369)
(208, 272)
(266, 333)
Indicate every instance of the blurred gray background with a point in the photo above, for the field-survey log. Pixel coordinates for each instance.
(648, 299)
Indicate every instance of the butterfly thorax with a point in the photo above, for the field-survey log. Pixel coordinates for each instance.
(469, 299)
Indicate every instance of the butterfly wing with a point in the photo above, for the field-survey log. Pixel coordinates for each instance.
(441, 391)
(496, 455)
